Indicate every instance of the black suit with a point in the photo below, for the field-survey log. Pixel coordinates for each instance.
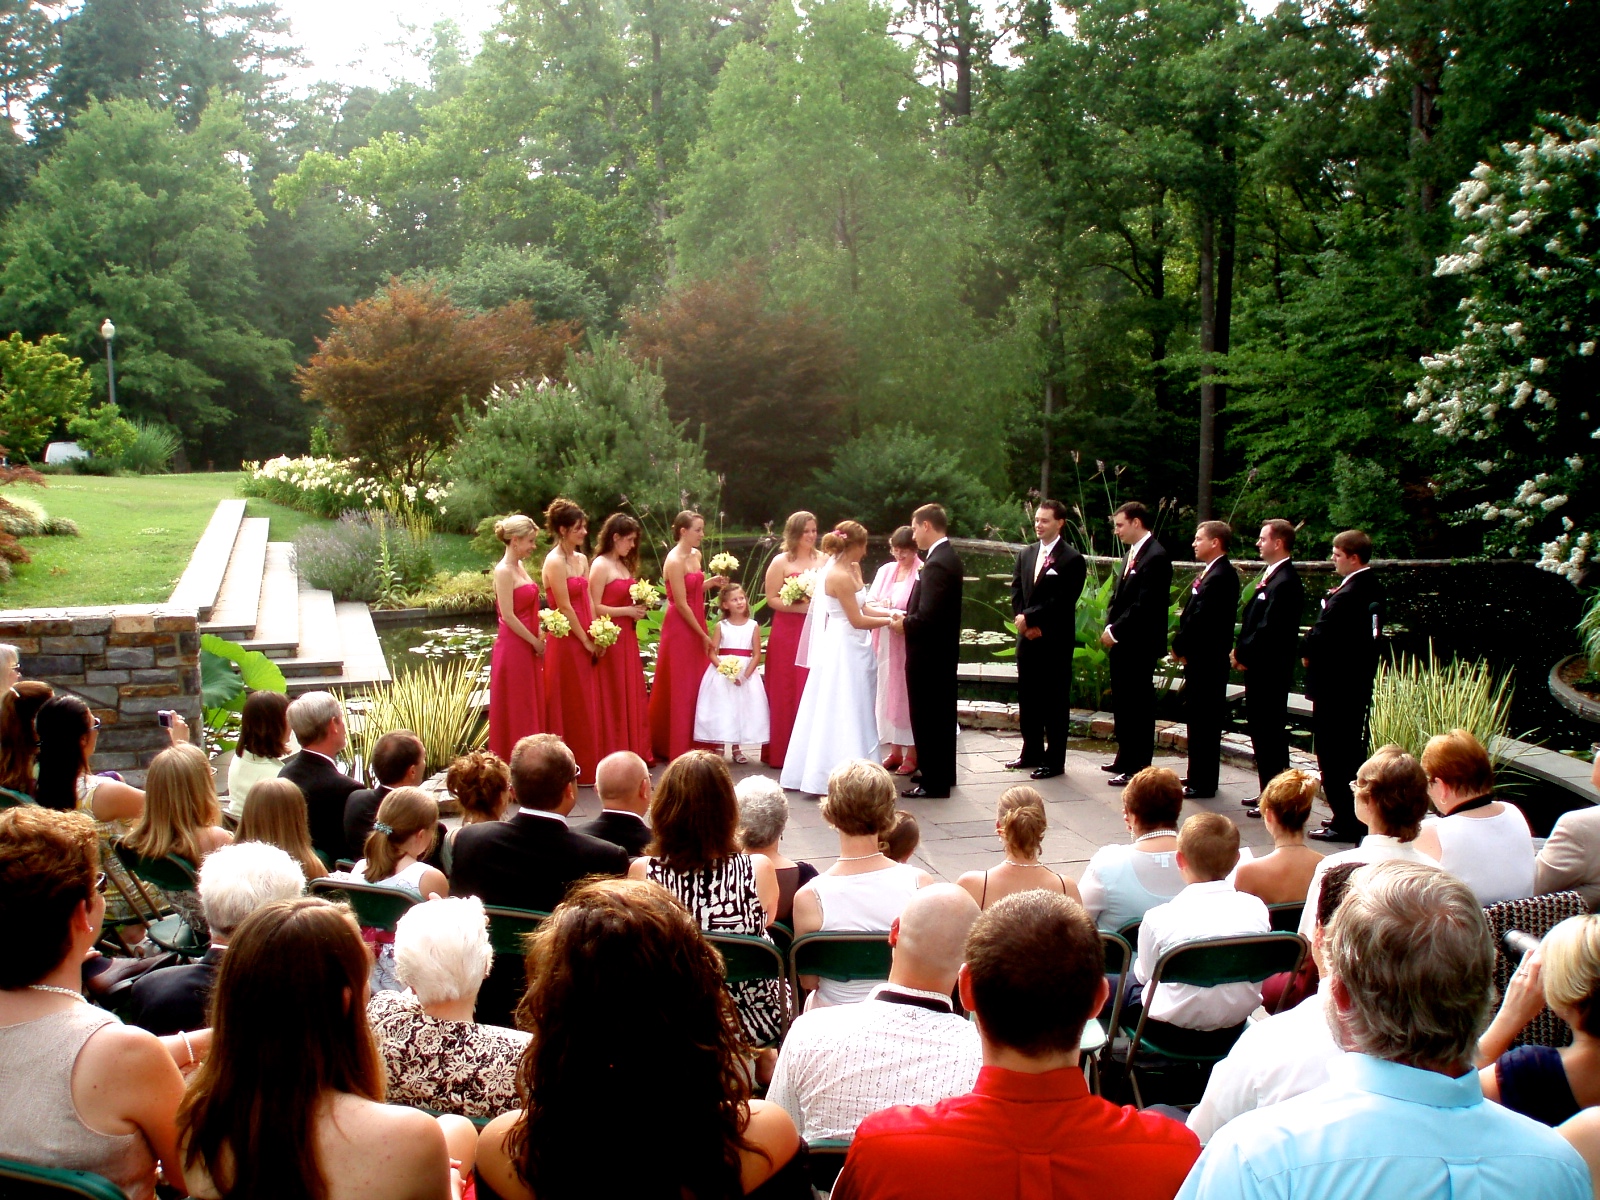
(1342, 653)
(174, 999)
(1137, 618)
(325, 789)
(933, 652)
(1047, 596)
(360, 811)
(1269, 643)
(1204, 637)
(625, 829)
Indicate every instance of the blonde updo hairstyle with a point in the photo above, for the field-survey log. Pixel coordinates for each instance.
(844, 536)
(1021, 818)
(861, 798)
(515, 526)
(1288, 797)
(561, 516)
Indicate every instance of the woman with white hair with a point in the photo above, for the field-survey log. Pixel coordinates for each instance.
(436, 1057)
(763, 816)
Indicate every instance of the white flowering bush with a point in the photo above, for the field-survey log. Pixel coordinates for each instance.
(327, 487)
(1517, 394)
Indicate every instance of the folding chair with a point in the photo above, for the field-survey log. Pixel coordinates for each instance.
(1285, 917)
(825, 1157)
(508, 977)
(24, 1181)
(168, 874)
(9, 798)
(375, 906)
(842, 957)
(749, 959)
(1119, 961)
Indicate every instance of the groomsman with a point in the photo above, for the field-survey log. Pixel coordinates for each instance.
(1202, 644)
(1136, 632)
(1341, 657)
(1269, 642)
(932, 625)
(1045, 586)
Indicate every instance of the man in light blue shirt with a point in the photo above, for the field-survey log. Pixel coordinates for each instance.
(1411, 967)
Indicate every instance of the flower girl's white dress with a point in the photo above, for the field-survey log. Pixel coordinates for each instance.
(729, 712)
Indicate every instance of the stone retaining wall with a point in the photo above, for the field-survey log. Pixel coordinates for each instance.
(126, 662)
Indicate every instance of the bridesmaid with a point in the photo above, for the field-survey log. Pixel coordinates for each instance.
(571, 706)
(786, 682)
(687, 650)
(624, 715)
(516, 667)
(892, 590)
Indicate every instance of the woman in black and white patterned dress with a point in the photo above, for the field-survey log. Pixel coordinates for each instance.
(696, 857)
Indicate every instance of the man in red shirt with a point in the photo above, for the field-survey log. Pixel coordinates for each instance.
(1034, 973)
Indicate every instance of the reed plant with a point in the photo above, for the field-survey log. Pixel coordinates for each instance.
(1414, 700)
(436, 700)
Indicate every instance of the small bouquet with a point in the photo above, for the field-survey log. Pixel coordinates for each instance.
(723, 564)
(603, 632)
(644, 593)
(729, 668)
(554, 622)
(798, 589)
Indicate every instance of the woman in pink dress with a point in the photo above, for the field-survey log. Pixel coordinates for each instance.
(686, 651)
(570, 685)
(624, 715)
(786, 682)
(516, 667)
(891, 589)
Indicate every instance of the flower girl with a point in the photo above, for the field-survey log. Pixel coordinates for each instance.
(732, 708)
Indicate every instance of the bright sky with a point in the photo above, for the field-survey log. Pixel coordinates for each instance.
(358, 41)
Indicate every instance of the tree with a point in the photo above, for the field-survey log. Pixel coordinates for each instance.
(40, 387)
(397, 369)
(492, 276)
(880, 477)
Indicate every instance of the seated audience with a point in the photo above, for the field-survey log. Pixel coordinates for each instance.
(78, 1089)
(1033, 976)
(1122, 881)
(763, 816)
(865, 889)
(623, 782)
(290, 1100)
(401, 837)
(904, 1044)
(181, 818)
(1549, 1085)
(1484, 842)
(398, 760)
(1411, 965)
(1570, 856)
(1283, 876)
(1391, 795)
(612, 944)
(318, 723)
(277, 816)
(480, 782)
(1208, 907)
(234, 882)
(695, 855)
(19, 741)
(265, 741)
(1019, 823)
(1286, 1054)
(903, 838)
(434, 1054)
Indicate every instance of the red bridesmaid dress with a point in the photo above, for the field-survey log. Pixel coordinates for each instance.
(623, 704)
(680, 663)
(571, 687)
(785, 682)
(516, 678)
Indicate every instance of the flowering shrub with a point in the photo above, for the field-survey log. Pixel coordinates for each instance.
(327, 487)
(1517, 393)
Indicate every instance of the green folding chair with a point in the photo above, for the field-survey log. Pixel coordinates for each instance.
(1130, 933)
(10, 798)
(842, 957)
(24, 1181)
(169, 874)
(1119, 962)
(1285, 917)
(375, 906)
(750, 959)
(825, 1158)
(509, 928)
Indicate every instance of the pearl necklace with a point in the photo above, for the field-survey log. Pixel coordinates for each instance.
(50, 987)
(1011, 862)
(1154, 833)
(858, 857)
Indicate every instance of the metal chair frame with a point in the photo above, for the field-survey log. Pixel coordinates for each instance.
(40, 1182)
(750, 959)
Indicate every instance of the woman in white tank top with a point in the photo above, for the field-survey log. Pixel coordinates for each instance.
(1484, 842)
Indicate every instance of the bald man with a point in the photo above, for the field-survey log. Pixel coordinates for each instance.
(904, 1044)
(623, 781)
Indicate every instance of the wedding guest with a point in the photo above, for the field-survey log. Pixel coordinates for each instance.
(932, 629)
(181, 818)
(1045, 586)
(1019, 823)
(265, 741)
(891, 592)
(10, 666)
(399, 759)
(1136, 636)
(685, 649)
(1283, 876)
(1570, 857)
(570, 682)
(903, 838)
(19, 741)
(401, 837)
(1122, 881)
(1484, 842)
(622, 699)
(623, 781)
(732, 710)
(481, 784)
(516, 666)
(763, 815)
(785, 681)
(1268, 645)
(1202, 644)
(276, 815)
(317, 719)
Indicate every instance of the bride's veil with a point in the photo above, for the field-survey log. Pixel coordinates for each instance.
(813, 626)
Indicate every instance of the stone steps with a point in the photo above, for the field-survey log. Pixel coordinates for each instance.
(238, 603)
(277, 630)
(202, 579)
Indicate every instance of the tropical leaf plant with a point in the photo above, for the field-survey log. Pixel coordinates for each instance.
(229, 672)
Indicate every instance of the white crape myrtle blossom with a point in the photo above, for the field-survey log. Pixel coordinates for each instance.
(330, 486)
(1519, 392)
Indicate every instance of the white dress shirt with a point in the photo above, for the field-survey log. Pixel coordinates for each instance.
(1277, 1058)
(525, 811)
(1200, 911)
(840, 1065)
(1375, 847)
(1046, 549)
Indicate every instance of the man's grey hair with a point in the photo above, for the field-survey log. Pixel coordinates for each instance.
(10, 656)
(441, 949)
(1413, 952)
(238, 879)
(763, 811)
(311, 715)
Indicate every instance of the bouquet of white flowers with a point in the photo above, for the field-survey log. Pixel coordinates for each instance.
(644, 593)
(798, 589)
(729, 668)
(554, 622)
(723, 564)
(604, 632)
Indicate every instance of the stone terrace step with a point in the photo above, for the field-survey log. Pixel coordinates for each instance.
(238, 605)
(202, 579)
(321, 650)
(277, 631)
(364, 664)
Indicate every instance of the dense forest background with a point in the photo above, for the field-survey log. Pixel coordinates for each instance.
(1166, 249)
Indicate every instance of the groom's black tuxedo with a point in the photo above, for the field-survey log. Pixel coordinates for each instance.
(1047, 596)
(1269, 644)
(1137, 618)
(933, 650)
(1204, 637)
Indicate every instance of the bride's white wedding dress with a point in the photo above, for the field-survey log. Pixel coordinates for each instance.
(838, 718)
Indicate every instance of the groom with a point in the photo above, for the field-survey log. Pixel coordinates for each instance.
(932, 625)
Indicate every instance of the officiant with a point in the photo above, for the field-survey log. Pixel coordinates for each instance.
(1045, 586)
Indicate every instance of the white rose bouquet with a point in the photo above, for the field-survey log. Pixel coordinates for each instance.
(723, 564)
(603, 631)
(554, 622)
(644, 593)
(798, 589)
(729, 668)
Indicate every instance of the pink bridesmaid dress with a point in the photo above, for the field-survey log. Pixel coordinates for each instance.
(680, 663)
(571, 687)
(516, 678)
(623, 701)
(785, 681)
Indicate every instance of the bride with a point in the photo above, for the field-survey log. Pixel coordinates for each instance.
(838, 714)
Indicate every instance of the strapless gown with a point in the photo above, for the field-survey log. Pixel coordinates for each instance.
(680, 663)
(571, 685)
(837, 718)
(623, 700)
(516, 678)
(785, 682)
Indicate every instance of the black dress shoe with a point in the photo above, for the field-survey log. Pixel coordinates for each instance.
(1253, 812)
(1331, 835)
(1019, 764)
(1111, 768)
(1190, 794)
(922, 793)
(1047, 772)
(1119, 780)
(1253, 802)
